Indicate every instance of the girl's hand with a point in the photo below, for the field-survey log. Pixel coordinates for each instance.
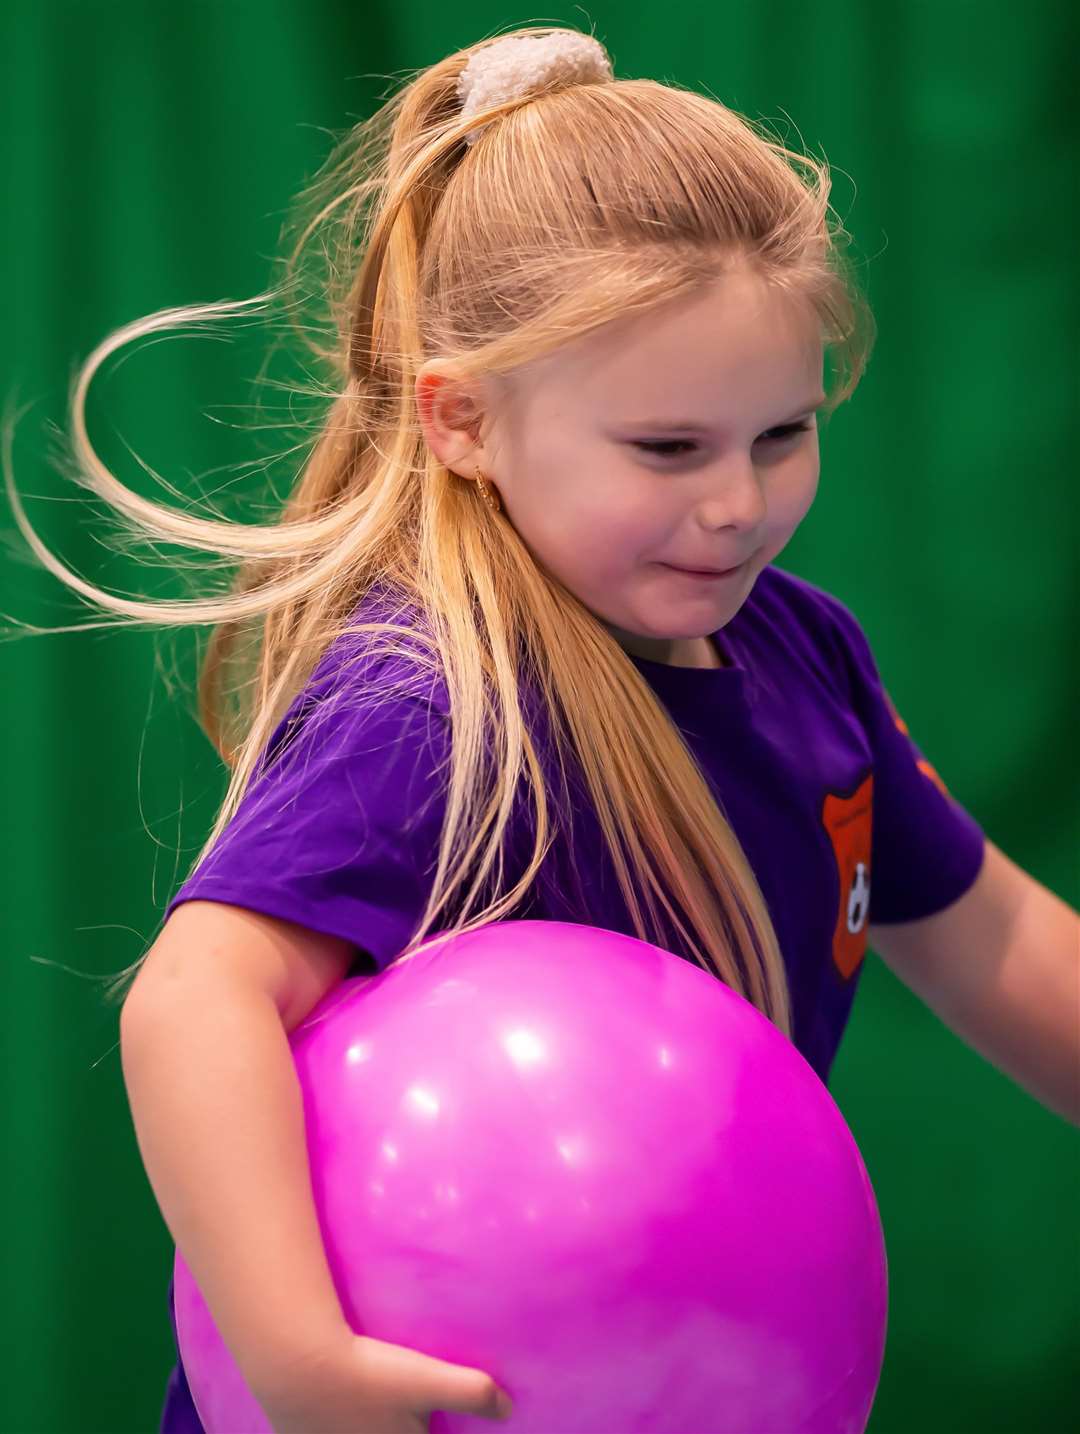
(366, 1386)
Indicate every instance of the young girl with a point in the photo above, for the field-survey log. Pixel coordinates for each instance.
(517, 648)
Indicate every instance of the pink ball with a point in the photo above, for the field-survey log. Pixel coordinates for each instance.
(587, 1167)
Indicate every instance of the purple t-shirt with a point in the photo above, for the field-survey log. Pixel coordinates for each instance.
(842, 819)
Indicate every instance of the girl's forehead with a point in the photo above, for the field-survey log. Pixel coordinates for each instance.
(675, 384)
(727, 345)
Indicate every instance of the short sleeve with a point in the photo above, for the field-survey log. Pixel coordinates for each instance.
(339, 828)
(926, 848)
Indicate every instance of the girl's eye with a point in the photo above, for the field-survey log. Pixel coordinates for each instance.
(771, 435)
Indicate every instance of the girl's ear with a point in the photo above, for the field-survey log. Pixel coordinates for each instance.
(450, 419)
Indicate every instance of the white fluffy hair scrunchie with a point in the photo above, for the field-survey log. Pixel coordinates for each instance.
(516, 64)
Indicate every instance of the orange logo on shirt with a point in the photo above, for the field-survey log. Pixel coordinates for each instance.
(848, 821)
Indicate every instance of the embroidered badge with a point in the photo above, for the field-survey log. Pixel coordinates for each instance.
(849, 823)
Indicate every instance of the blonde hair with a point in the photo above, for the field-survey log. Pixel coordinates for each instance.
(577, 206)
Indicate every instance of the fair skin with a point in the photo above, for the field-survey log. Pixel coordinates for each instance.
(741, 362)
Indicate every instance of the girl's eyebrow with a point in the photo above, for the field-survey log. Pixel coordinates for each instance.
(664, 425)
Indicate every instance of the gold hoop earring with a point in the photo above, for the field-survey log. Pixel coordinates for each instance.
(489, 495)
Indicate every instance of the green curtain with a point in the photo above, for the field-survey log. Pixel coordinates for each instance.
(150, 154)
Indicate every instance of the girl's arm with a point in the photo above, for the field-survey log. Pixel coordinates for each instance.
(1001, 968)
(217, 1109)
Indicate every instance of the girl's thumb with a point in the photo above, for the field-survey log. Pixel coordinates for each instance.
(471, 1391)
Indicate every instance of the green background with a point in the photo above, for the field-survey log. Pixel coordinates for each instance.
(150, 153)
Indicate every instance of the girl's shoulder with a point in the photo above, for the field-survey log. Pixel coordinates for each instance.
(804, 618)
(803, 601)
(369, 690)
(365, 665)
